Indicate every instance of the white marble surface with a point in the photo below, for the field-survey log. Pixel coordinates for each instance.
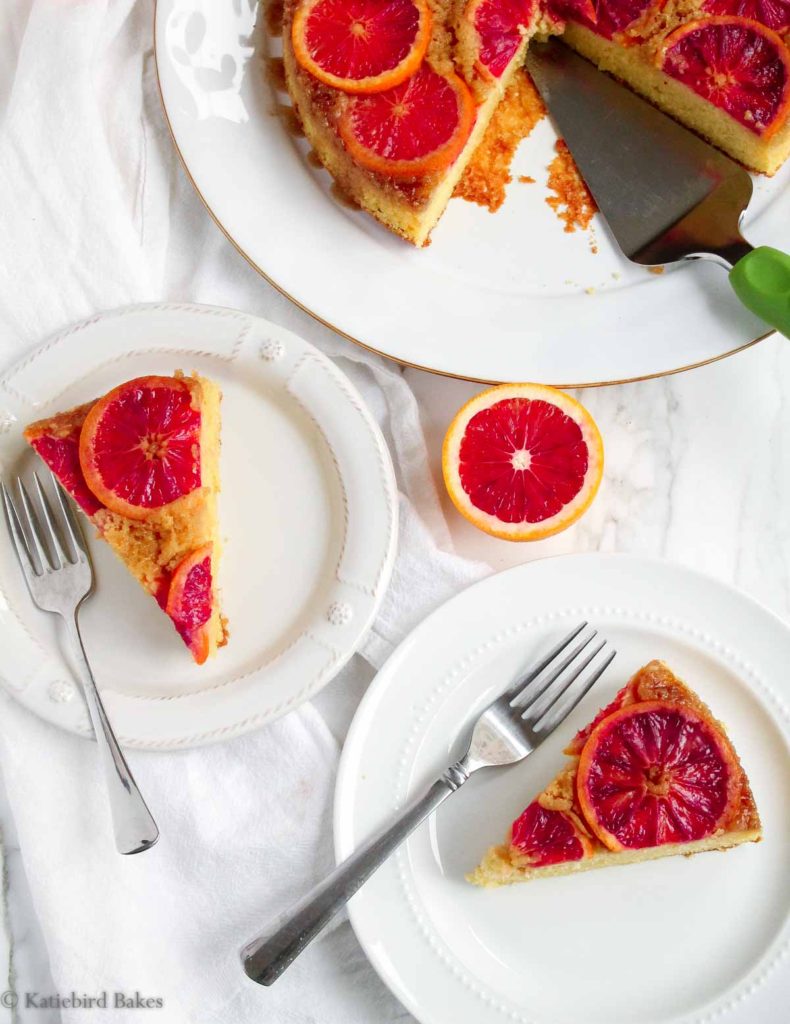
(697, 471)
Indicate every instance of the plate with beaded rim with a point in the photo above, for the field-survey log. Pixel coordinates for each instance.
(674, 941)
(308, 516)
(494, 297)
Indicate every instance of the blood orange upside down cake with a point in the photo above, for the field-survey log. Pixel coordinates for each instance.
(653, 775)
(395, 95)
(142, 463)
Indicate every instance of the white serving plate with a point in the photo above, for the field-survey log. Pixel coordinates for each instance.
(494, 298)
(307, 509)
(679, 940)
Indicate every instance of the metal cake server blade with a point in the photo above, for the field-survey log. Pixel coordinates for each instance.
(665, 194)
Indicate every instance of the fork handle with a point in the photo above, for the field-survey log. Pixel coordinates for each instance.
(134, 827)
(266, 957)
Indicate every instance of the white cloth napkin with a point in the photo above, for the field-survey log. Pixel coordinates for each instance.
(95, 213)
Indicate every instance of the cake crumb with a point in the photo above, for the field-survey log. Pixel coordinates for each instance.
(526, 179)
(572, 201)
(655, 270)
(488, 172)
(589, 291)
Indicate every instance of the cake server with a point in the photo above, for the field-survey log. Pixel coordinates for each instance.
(665, 194)
(506, 732)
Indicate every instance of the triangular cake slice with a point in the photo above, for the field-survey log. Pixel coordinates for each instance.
(653, 775)
(142, 463)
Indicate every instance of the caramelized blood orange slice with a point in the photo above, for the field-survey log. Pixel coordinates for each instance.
(656, 772)
(736, 64)
(140, 446)
(189, 601)
(61, 455)
(774, 14)
(416, 128)
(606, 17)
(361, 45)
(548, 836)
(522, 461)
(500, 27)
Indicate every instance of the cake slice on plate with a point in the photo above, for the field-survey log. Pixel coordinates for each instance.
(653, 775)
(142, 463)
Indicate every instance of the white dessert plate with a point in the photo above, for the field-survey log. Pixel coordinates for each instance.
(500, 297)
(307, 511)
(677, 940)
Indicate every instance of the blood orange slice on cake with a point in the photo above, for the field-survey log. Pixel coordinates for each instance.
(738, 65)
(501, 29)
(142, 462)
(605, 17)
(417, 128)
(361, 46)
(653, 775)
(774, 14)
(522, 461)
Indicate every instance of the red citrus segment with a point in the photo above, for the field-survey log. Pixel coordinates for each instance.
(500, 26)
(740, 66)
(606, 17)
(578, 741)
(140, 446)
(189, 601)
(361, 46)
(522, 461)
(548, 836)
(61, 454)
(655, 773)
(416, 128)
(774, 14)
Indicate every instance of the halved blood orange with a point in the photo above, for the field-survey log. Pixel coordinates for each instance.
(656, 772)
(500, 26)
(737, 64)
(140, 445)
(774, 14)
(189, 601)
(548, 836)
(417, 128)
(605, 17)
(361, 46)
(522, 461)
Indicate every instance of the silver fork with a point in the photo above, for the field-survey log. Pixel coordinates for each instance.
(57, 569)
(506, 732)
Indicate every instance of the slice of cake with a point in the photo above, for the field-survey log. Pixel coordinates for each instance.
(653, 775)
(142, 463)
(721, 67)
(398, 143)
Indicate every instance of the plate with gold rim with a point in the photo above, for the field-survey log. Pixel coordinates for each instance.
(503, 297)
(308, 518)
(681, 940)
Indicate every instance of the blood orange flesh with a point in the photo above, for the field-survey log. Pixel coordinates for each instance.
(522, 460)
(547, 836)
(61, 455)
(774, 14)
(738, 65)
(361, 45)
(654, 773)
(606, 17)
(499, 25)
(189, 601)
(140, 445)
(416, 128)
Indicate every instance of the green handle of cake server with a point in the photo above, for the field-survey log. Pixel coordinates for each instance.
(761, 280)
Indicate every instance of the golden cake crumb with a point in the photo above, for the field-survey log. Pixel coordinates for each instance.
(572, 201)
(488, 172)
(655, 270)
(527, 179)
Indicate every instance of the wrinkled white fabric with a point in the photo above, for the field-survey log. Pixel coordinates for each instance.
(96, 213)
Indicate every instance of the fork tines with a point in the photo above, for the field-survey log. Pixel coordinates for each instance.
(45, 540)
(547, 695)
